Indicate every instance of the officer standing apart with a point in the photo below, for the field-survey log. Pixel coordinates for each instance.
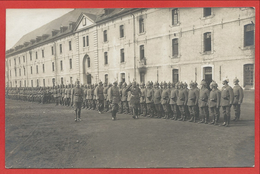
(77, 94)
(226, 101)
(114, 98)
(238, 98)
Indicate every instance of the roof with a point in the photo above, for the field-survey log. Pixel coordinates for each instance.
(64, 20)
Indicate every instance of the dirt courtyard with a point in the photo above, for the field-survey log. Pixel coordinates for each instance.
(46, 136)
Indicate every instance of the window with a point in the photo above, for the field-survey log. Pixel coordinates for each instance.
(174, 16)
(52, 50)
(53, 68)
(14, 62)
(70, 63)
(30, 56)
(89, 79)
(70, 80)
(84, 21)
(175, 75)
(87, 41)
(19, 60)
(43, 82)
(10, 73)
(105, 58)
(20, 83)
(43, 68)
(206, 12)
(84, 42)
(122, 53)
(36, 69)
(24, 71)
(207, 75)
(88, 61)
(106, 78)
(141, 52)
(36, 55)
(61, 80)
(207, 41)
(60, 48)
(10, 62)
(53, 81)
(32, 83)
(249, 35)
(15, 72)
(123, 77)
(24, 83)
(23, 59)
(105, 35)
(61, 65)
(70, 45)
(141, 25)
(19, 71)
(31, 70)
(37, 82)
(42, 53)
(122, 34)
(174, 47)
(249, 75)
(142, 77)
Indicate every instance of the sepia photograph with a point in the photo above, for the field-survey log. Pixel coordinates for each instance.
(130, 88)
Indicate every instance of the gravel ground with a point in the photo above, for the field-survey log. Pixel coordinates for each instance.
(46, 136)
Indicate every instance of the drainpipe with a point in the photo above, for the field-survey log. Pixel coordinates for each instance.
(134, 46)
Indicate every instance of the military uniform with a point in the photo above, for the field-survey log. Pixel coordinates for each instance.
(238, 99)
(193, 97)
(173, 102)
(77, 94)
(165, 99)
(157, 100)
(203, 103)
(226, 101)
(124, 99)
(105, 97)
(100, 97)
(114, 99)
(134, 93)
(214, 103)
(149, 95)
(142, 101)
(182, 99)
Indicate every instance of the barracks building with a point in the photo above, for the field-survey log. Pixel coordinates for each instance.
(154, 44)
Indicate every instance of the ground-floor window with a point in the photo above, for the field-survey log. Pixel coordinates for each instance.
(142, 77)
(53, 81)
(249, 74)
(175, 76)
(89, 79)
(123, 77)
(208, 75)
(106, 78)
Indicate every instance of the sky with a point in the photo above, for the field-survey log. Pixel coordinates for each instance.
(21, 21)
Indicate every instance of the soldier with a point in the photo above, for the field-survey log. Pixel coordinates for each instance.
(105, 97)
(193, 98)
(124, 98)
(95, 101)
(165, 101)
(114, 98)
(238, 98)
(89, 97)
(203, 102)
(130, 108)
(85, 101)
(182, 99)
(157, 99)
(214, 102)
(93, 97)
(120, 105)
(109, 97)
(142, 100)
(187, 113)
(77, 94)
(71, 97)
(100, 97)
(149, 99)
(226, 101)
(135, 98)
(173, 101)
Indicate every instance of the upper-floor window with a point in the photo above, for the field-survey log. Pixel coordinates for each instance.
(9, 62)
(249, 35)
(37, 69)
(60, 48)
(10, 73)
(175, 17)
(70, 45)
(19, 71)
(141, 25)
(30, 56)
(43, 68)
(36, 55)
(206, 12)
(175, 47)
(43, 53)
(14, 62)
(52, 50)
(61, 68)
(31, 70)
(207, 41)
(70, 63)
(105, 35)
(15, 72)
(23, 59)
(53, 67)
(141, 52)
(122, 55)
(84, 41)
(105, 58)
(19, 60)
(24, 71)
(121, 28)
(87, 41)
